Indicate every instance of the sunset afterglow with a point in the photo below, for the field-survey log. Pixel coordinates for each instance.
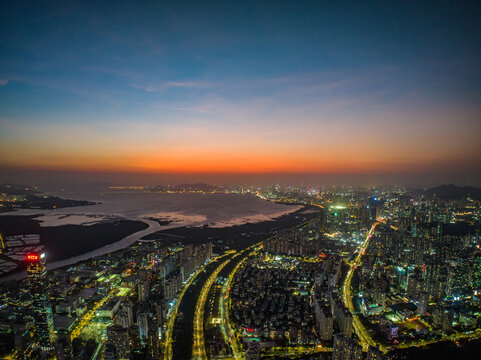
(343, 98)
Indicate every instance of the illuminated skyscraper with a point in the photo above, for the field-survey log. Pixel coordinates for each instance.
(39, 292)
(143, 322)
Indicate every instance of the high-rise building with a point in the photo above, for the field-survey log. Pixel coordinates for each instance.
(143, 291)
(423, 303)
(143, 323)
(448, 319)
(122, 319)
(128, 308)
(40, 295)
(118, 337)
(154, 341)
(342, 315)
(434, 277)
(323, 319)
(415, 284)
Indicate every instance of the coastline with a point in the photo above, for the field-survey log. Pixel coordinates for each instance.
(156, 225)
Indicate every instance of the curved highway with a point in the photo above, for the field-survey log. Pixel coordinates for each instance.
(198, 348)
(360, 330)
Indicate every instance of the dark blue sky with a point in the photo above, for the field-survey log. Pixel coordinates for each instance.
(271, 86)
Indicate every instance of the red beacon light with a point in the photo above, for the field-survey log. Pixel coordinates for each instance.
(32, 257)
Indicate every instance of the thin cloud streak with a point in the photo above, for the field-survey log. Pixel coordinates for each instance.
(163, 87)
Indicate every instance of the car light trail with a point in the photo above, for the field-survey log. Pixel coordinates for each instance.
(167, 344)
(198, 348)
(360, 330)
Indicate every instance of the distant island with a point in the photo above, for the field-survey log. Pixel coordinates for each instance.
(14, 197)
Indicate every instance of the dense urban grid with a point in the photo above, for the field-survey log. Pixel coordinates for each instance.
(374, 273)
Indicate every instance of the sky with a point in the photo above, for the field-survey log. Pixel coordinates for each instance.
(240, 90)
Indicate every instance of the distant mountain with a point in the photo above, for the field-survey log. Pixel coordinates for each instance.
(453, 192)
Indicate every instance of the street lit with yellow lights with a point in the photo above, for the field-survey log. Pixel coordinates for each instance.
(360, 330)
(87, 317)
(349, 271)
(198, 349)
(167, 343)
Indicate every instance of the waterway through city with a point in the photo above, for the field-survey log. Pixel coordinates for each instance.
(184, 326)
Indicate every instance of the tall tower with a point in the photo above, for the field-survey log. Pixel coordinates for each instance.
(143, 322)
(143, 291)
(39, 292)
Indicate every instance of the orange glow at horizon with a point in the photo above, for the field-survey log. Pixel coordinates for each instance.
(191, 89)
(307, 147)
(227, 162)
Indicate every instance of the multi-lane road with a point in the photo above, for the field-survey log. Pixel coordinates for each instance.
(364, 337)
(192, 301)
(198, 348)
(168, 337)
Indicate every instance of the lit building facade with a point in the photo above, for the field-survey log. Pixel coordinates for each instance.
(40, 294)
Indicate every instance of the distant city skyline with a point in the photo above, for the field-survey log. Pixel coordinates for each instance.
(248, 92)
(55, 181)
